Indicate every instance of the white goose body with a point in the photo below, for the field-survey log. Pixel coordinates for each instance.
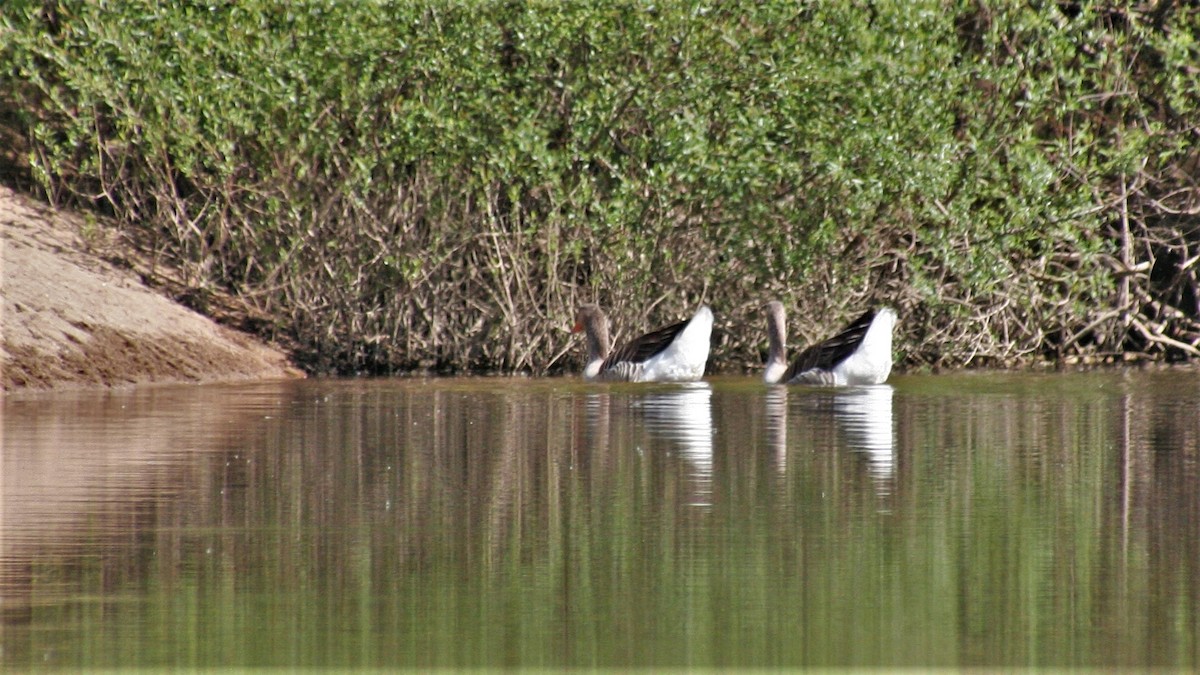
(677, 353)
(860, 354)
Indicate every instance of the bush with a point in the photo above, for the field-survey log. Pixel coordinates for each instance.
(439, 184)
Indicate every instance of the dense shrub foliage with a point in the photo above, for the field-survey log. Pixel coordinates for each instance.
(439, 184)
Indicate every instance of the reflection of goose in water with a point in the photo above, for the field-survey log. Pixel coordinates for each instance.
(777, 415)
(684, 415)
(865, 415)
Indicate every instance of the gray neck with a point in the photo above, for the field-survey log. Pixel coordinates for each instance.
(595, 327)
(597, 336)
(776, 339)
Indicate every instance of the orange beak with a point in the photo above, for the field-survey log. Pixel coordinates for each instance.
(577, 328)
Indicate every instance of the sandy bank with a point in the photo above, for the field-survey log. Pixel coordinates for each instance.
(71, 318)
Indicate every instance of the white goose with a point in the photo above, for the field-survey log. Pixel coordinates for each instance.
(860, 354)
(677, 353)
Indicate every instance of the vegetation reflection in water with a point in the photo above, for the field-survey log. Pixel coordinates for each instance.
(951, 520)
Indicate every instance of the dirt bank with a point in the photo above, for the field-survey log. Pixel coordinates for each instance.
(71, 317)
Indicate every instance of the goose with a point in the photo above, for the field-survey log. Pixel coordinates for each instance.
(677, 353)
(860, 354)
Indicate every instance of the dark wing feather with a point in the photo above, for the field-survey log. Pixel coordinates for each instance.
(825, 355)
(642, 348)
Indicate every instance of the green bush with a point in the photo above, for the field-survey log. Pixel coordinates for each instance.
(439, 184)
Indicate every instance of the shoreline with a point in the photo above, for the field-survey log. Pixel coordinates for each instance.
(76, 315)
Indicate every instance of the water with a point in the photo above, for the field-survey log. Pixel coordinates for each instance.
(1028, 520)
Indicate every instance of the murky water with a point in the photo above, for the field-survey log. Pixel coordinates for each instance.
(940, 520)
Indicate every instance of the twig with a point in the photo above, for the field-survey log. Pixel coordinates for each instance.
(1161, 339)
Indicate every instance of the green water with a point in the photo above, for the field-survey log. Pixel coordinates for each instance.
(1002, 520)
